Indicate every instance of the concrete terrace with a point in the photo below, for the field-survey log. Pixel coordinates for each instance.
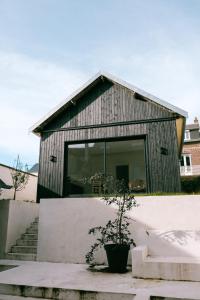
(73, 281)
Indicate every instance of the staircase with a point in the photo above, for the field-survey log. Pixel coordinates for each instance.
(26, 246)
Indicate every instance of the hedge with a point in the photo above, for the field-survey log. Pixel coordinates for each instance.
(190, 184)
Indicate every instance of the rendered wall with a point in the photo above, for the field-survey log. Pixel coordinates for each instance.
(168, 225)
(28, 193)
(4, 210)
(15, 217)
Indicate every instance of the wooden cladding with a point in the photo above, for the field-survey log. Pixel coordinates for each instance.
(108, 104)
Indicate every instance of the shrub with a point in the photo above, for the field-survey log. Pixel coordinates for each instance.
(190, 184)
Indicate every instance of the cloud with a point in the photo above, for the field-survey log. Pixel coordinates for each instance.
(29, 89)
(169, 74)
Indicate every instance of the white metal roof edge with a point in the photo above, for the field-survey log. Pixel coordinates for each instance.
(147, 95)
(61, 104)
(114, 79)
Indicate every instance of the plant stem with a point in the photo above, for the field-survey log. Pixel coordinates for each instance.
(14, 194)
(121, 209)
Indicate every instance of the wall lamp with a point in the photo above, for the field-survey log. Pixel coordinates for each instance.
(53, 158)
(164, 151)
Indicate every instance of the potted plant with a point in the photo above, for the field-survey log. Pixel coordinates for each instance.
(115, 236)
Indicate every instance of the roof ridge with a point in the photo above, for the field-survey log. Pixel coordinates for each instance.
(112, 78)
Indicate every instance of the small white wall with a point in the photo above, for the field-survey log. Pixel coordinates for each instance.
(168, 225)
(15, 217)
(27, 194)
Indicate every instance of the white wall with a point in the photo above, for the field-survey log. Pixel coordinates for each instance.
(15, 217)
(28, 193)
(169, 225)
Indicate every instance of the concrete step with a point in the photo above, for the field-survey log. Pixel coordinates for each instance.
(60, 293)
(35, 223)
(31, 230)
(29, 236)
(21, 256)
(22, 242)
(168, 268)
(24, 249)
(26, 246)
(34, 226)
(10, 297)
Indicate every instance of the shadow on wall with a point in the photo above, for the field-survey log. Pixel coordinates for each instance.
(168, 243)
(43, 192)
(64, 225)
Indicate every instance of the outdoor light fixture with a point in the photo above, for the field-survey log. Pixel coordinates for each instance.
(53, 158)
(164, 151)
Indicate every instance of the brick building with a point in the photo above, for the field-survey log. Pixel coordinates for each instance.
(190, 159)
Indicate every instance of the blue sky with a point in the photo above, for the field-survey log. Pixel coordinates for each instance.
(48, 48)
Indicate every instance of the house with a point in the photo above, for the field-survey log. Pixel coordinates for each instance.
(34, 169)
(190, 158)
(28, 193)
(111, 127)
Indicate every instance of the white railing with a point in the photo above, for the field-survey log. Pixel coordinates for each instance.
(190, 170)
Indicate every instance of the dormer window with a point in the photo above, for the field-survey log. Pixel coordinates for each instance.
(187, 135)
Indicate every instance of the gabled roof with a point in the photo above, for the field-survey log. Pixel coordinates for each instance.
(192, 126)
(37, 127)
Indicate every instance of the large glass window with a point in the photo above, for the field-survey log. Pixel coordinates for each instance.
(84, 160)
(123, 159)
(126, 160)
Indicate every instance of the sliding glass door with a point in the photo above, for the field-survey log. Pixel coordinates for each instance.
(124, 159)
(84, 160)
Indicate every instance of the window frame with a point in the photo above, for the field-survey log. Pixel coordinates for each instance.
(126, 138)
(187, 135)
(187, 169)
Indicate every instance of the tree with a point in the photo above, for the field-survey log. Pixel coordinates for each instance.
(116, 192)
(20, 176)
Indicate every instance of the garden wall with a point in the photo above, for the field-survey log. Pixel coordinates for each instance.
(28, 193)
(168, 225)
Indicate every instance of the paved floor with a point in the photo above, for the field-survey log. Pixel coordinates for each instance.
(78, 277)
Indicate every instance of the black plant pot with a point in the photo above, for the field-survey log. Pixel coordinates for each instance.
(117, 256)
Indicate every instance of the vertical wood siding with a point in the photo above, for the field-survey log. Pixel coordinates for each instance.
(110, 103)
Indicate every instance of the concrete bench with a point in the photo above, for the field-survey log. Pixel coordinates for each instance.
(163, 267)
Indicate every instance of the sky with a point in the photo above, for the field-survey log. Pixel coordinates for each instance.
(49, 48)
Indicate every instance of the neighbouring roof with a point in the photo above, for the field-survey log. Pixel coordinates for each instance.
(34, 168)
(37, 127)
(5, 166)
(192, 141)
(192, 126)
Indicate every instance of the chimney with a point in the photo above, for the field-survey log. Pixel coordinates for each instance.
(196, 121)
